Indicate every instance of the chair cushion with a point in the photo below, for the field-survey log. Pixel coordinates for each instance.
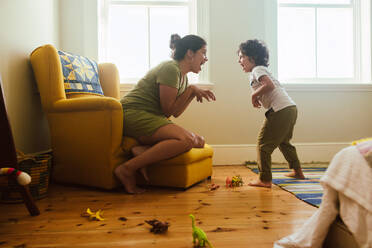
(80, 74)
(194, 155)
(181, 171)
(179, 176)
(191, 156)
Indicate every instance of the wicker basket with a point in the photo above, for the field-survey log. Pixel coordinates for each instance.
(38, 166)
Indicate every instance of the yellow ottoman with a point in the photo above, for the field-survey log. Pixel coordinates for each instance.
(181, 171)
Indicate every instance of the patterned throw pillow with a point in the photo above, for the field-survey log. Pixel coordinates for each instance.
(80, 74)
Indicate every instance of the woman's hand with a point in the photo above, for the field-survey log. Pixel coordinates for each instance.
(200, 94)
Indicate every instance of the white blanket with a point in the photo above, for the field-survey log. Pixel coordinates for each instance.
(347, 187)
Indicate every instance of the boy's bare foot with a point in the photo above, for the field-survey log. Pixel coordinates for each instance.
(127, 178)
(296, 174)
(259, 183)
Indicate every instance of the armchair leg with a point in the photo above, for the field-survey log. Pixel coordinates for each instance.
(8, 155)
(29, 201)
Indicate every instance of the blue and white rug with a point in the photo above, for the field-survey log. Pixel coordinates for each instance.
(308, 190)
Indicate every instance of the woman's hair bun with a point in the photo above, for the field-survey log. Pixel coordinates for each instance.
(174, 38)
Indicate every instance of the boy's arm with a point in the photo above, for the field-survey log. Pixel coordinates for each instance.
(266, 86)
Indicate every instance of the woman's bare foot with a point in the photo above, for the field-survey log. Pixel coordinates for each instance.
(143, 171)
(127, 178)
(296, 174)
(137, 150)
(259, 183)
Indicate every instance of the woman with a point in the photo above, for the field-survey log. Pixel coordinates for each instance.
(162, 93)
(172, 43)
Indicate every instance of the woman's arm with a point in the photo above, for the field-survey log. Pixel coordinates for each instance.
(170, 103)
(173, 105)
(267, 86)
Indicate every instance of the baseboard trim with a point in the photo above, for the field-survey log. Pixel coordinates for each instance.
(308, 152)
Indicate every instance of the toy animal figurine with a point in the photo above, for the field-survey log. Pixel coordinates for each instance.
(93, 215)
(22, 177)
(235, 181)
(213, 186)
(228, 182)
(199, 234)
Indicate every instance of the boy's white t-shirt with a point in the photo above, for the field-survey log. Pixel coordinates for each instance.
(276, 99)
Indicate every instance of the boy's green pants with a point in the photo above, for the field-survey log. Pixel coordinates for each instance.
(276, 132)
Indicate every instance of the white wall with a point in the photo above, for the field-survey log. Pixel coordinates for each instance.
(328, 118)
(78, 27)
(325, 116)
(25, 25)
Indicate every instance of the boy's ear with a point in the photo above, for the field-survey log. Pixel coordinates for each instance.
(251, 60)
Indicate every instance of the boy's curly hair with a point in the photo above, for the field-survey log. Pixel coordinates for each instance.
(256, 50)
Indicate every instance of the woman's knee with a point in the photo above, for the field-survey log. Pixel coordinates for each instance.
(196, 140)
(188, 141)
(199, 141)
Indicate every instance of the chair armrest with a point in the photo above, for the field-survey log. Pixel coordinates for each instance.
(110, 79)
(86, 104)
(86, 142)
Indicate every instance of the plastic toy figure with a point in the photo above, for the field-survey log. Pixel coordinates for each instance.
(199, 234)
(235, 181)
(228, 182)
(93, 215)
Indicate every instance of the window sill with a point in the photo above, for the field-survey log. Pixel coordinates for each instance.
(125, 88)
(328, 87)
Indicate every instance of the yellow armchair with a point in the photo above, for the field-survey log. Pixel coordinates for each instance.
(86, 131)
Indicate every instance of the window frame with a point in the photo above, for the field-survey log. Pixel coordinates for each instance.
(198, 23)
(362, 62)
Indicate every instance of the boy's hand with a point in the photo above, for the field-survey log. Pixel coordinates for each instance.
(256, 101)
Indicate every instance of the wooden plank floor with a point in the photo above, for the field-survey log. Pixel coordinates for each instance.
(249, 217)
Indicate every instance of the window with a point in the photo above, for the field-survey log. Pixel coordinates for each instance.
(135, 34)
(324, 41)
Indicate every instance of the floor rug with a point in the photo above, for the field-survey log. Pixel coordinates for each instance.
(308, 190)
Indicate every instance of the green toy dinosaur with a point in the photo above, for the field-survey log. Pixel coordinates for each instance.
(199, 234)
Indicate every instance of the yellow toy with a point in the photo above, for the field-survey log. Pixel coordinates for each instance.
(94, 215)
